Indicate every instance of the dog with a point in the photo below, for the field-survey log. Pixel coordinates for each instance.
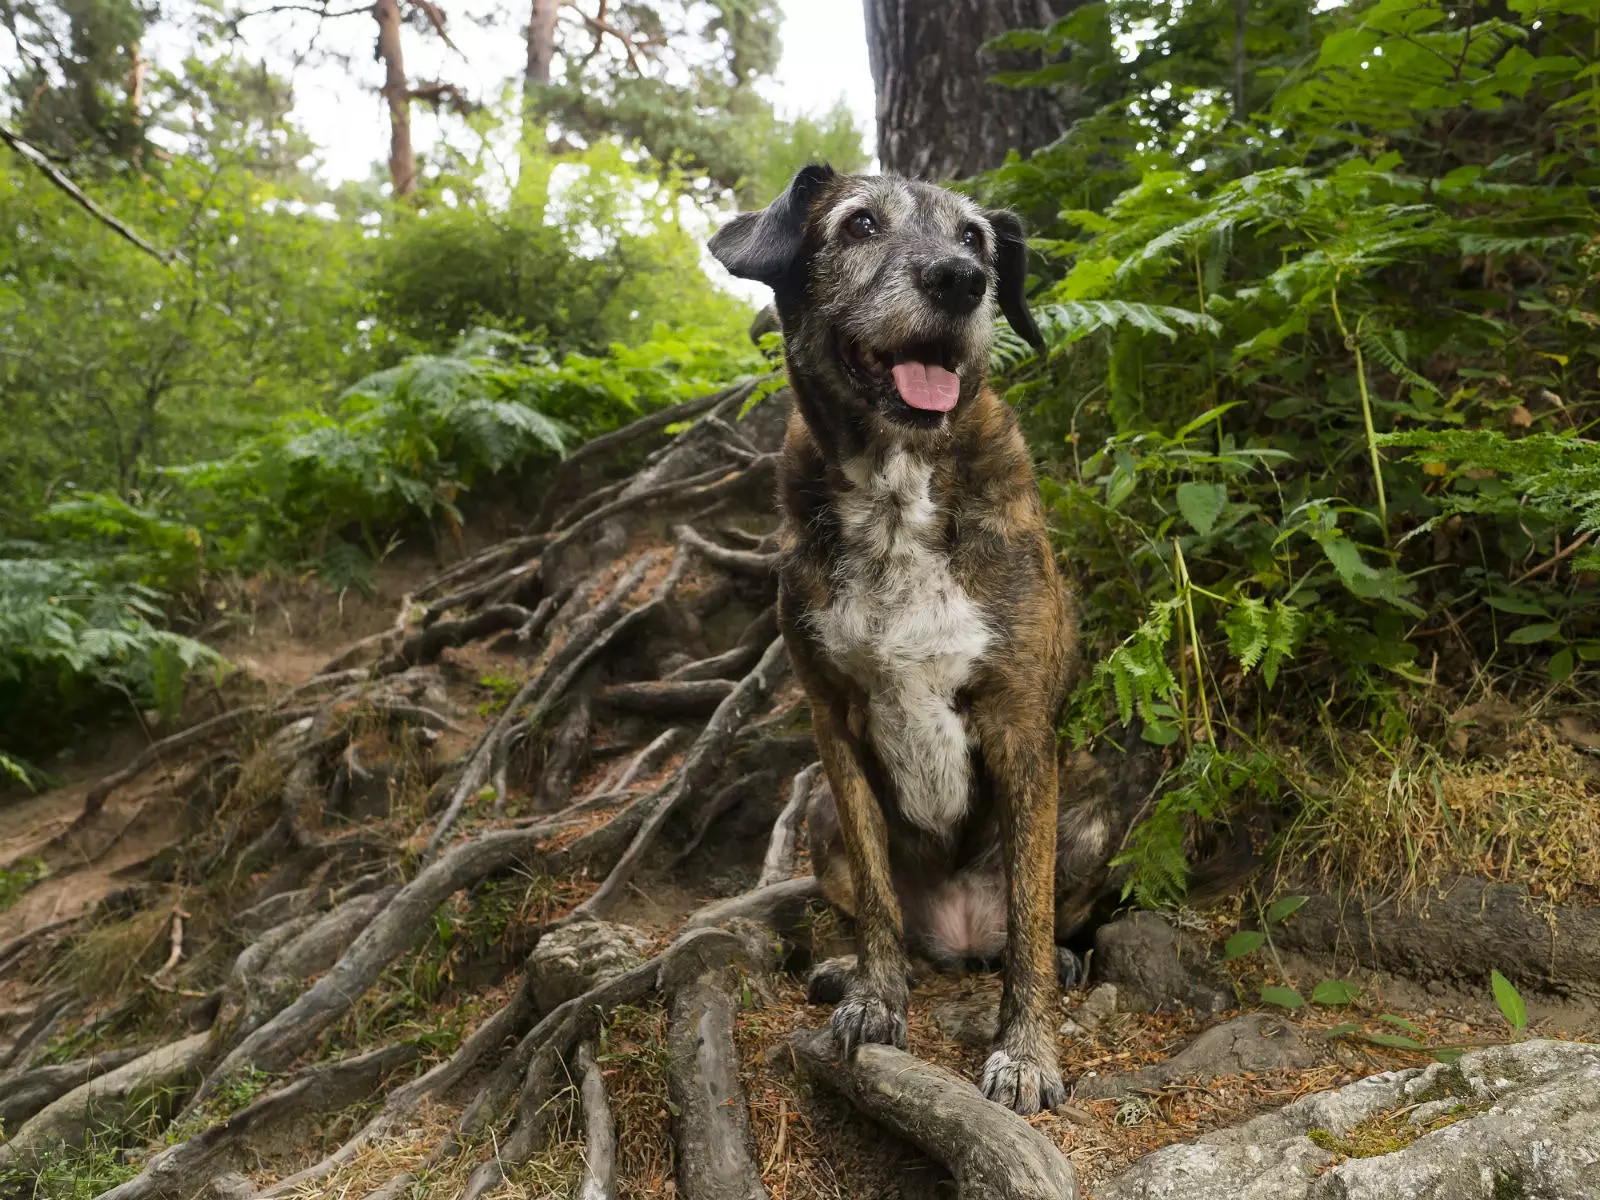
(921, 604)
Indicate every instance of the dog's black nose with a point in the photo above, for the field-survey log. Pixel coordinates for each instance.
(954, 284)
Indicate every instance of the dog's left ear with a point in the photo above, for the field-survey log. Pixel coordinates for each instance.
(763, 245)
(1011, 262)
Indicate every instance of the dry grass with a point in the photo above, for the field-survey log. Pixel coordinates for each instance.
(633, 1058)
(110, 958)
(1404, 821)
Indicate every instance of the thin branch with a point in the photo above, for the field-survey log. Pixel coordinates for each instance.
(55, 175)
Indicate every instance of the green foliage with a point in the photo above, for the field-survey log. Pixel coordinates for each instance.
(1282, 997)
(1509, 1001)
(19, 877)
(1324, 332)
(73, 637)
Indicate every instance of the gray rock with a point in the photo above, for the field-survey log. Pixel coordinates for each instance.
(973, 1022)
(1157, 969)
(1518, 1122)
(1253, 1042)
(1097, 1007)
(571, 959)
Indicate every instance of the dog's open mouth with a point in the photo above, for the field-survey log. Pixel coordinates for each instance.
(923, 374)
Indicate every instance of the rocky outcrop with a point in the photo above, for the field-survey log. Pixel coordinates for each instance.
(571, 959)
(1519, 1122)
(1158, 968)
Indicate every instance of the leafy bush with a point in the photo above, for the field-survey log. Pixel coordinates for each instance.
(1278, 273)
(73, 638)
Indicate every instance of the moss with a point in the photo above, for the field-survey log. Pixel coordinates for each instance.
(1509, 1187)
(1447, 1084)
(1387, 1133)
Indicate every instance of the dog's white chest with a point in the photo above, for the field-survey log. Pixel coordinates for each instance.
(902, 627)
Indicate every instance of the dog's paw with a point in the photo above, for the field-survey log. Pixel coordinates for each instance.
(1023, 1086)
(863, 1017)
(1069, 968)
(829, 980)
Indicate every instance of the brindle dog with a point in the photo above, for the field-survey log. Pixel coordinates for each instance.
(920, 600)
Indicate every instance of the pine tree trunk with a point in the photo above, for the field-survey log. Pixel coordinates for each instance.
(397, 94)
(536, 74)
(541, 46)
(938, 118)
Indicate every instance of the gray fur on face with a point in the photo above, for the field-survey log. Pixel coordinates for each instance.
(868, 289)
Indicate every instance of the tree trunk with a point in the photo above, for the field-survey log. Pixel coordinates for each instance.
(397, 94)
(541, 46)
(938, 118)
(536, 74)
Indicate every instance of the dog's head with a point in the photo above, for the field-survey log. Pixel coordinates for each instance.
(886, 288)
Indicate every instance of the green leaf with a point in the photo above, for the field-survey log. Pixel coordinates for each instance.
(1395, 1040)
(1201, 504)
(1246, 941)
(1529, 634)
(1401, 1022)
(1509, 1001)
(1160, 733)
(1286, 907)
(1447, 1054)
(1334, 992)
(1283, 997)
(1561, 665)
(1515, 604)
(1344, 1029)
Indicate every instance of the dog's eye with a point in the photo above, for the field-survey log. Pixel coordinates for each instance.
(860, 226)
(972, 236)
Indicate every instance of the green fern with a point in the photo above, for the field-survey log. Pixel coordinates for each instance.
(1263, 634)
(1068, 322)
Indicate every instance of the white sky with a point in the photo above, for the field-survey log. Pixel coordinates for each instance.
(824, 58)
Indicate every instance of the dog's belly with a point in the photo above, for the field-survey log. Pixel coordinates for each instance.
(902, 627)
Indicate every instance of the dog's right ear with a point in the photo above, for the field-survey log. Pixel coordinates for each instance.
(762, 245)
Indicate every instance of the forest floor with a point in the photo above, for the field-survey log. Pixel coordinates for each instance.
(332, 909)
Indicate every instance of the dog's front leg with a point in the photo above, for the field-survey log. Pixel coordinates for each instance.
(874, 1005)
(1018, 746)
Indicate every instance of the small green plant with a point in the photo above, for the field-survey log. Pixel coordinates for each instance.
(1509, 1001)
(502, 688)
(18, 878)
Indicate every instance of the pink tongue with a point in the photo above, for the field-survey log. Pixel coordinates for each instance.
(925, 386)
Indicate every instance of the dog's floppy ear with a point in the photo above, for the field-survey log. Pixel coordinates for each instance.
(762, 245)
(1011, 262)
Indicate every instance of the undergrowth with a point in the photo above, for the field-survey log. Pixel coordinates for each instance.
(85, 605)
(1317, 417)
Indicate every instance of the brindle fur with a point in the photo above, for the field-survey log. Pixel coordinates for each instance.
(866, 486)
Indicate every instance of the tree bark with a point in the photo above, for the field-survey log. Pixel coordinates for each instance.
(938, 117)
(541, 46)
(397, 94)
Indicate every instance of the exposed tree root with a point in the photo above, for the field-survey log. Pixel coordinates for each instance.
(426, 646)
(702, 765)
(600, 1131)
(779, 862)
(712, 1115)
(180, 1170)
(276, 1043)
(993, 1153)
(94, 800)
